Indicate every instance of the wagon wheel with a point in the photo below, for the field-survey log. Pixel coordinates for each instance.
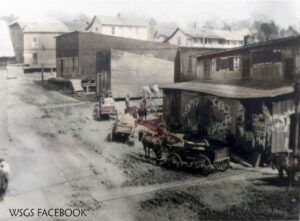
(202, 163)
(175, 160)
(222, 165)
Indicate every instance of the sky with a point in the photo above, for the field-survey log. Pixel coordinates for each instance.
(181, 11)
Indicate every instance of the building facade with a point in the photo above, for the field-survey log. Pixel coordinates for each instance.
(206, 38)
(245, 93)
(124, 64)
(34, 41)
(120, 26)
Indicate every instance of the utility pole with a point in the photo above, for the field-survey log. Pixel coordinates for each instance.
(297, 100)
(42, 55)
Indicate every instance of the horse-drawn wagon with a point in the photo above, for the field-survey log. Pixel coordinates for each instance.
(199, 155)
(105, 109)
(123, 128)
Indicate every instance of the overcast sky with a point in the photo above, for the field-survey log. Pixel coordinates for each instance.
(283, 12)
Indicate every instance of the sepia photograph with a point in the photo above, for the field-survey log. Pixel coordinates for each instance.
(149, 110)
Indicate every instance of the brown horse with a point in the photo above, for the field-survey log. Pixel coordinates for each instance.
(133, 111)
(152, 142)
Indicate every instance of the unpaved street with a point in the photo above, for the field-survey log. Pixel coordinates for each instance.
(59, 159)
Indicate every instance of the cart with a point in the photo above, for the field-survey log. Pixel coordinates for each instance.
(105, 109)
(123, 129)
(200, 156)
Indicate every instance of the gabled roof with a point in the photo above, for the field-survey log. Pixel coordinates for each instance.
(41, 24)
(6, 47)
(280, 42)
(119, 21)
(210, 33)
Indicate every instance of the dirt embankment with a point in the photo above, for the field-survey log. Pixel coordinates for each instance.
(223, 201)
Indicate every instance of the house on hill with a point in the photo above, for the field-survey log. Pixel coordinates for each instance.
(120, 26)
(206, 38)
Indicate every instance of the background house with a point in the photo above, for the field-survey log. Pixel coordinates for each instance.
(34, 41)
(122, 65)
(246, 92)
(206, 38)
(7, 53)
(120, 26)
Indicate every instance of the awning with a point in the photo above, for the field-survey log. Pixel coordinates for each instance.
(231, 90)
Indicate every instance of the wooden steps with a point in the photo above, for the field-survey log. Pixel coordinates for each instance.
(76, 84)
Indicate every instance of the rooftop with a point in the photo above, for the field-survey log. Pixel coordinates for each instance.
(235, 89)
(41, 24)
(120, 20)
(210, 33)
(294, 40)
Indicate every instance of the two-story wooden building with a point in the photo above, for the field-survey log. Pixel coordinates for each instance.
(120, 26)
(245, 92)
(34, 41)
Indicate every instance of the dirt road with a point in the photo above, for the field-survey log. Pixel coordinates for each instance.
(59, 159)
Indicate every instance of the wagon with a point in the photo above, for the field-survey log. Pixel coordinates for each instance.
(123, 128)
(105, 109)
(201, 156)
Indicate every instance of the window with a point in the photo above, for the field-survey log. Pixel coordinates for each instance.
(34, 42)
(34, 58)
(207, 65)
(62, 67)
(266, 56)
(178, 40)
(221, 41)
(113, 30)
(73, 64)
(225, 63)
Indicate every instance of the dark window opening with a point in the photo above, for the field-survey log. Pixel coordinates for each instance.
(62, 67)
(224, 64)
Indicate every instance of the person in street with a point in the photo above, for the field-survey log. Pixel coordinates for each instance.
(127, 101)
(143, 109)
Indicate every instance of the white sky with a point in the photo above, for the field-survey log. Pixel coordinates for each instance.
(283, 12)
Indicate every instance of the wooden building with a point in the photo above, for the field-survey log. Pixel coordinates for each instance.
(206, 38)
(246, 92)
(34, 41)
(121, 65)
(120, 26)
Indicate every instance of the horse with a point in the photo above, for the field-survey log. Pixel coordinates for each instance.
(133, 111)
(146, 91)
(151, 142)
(4, 176)
(155, 90)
